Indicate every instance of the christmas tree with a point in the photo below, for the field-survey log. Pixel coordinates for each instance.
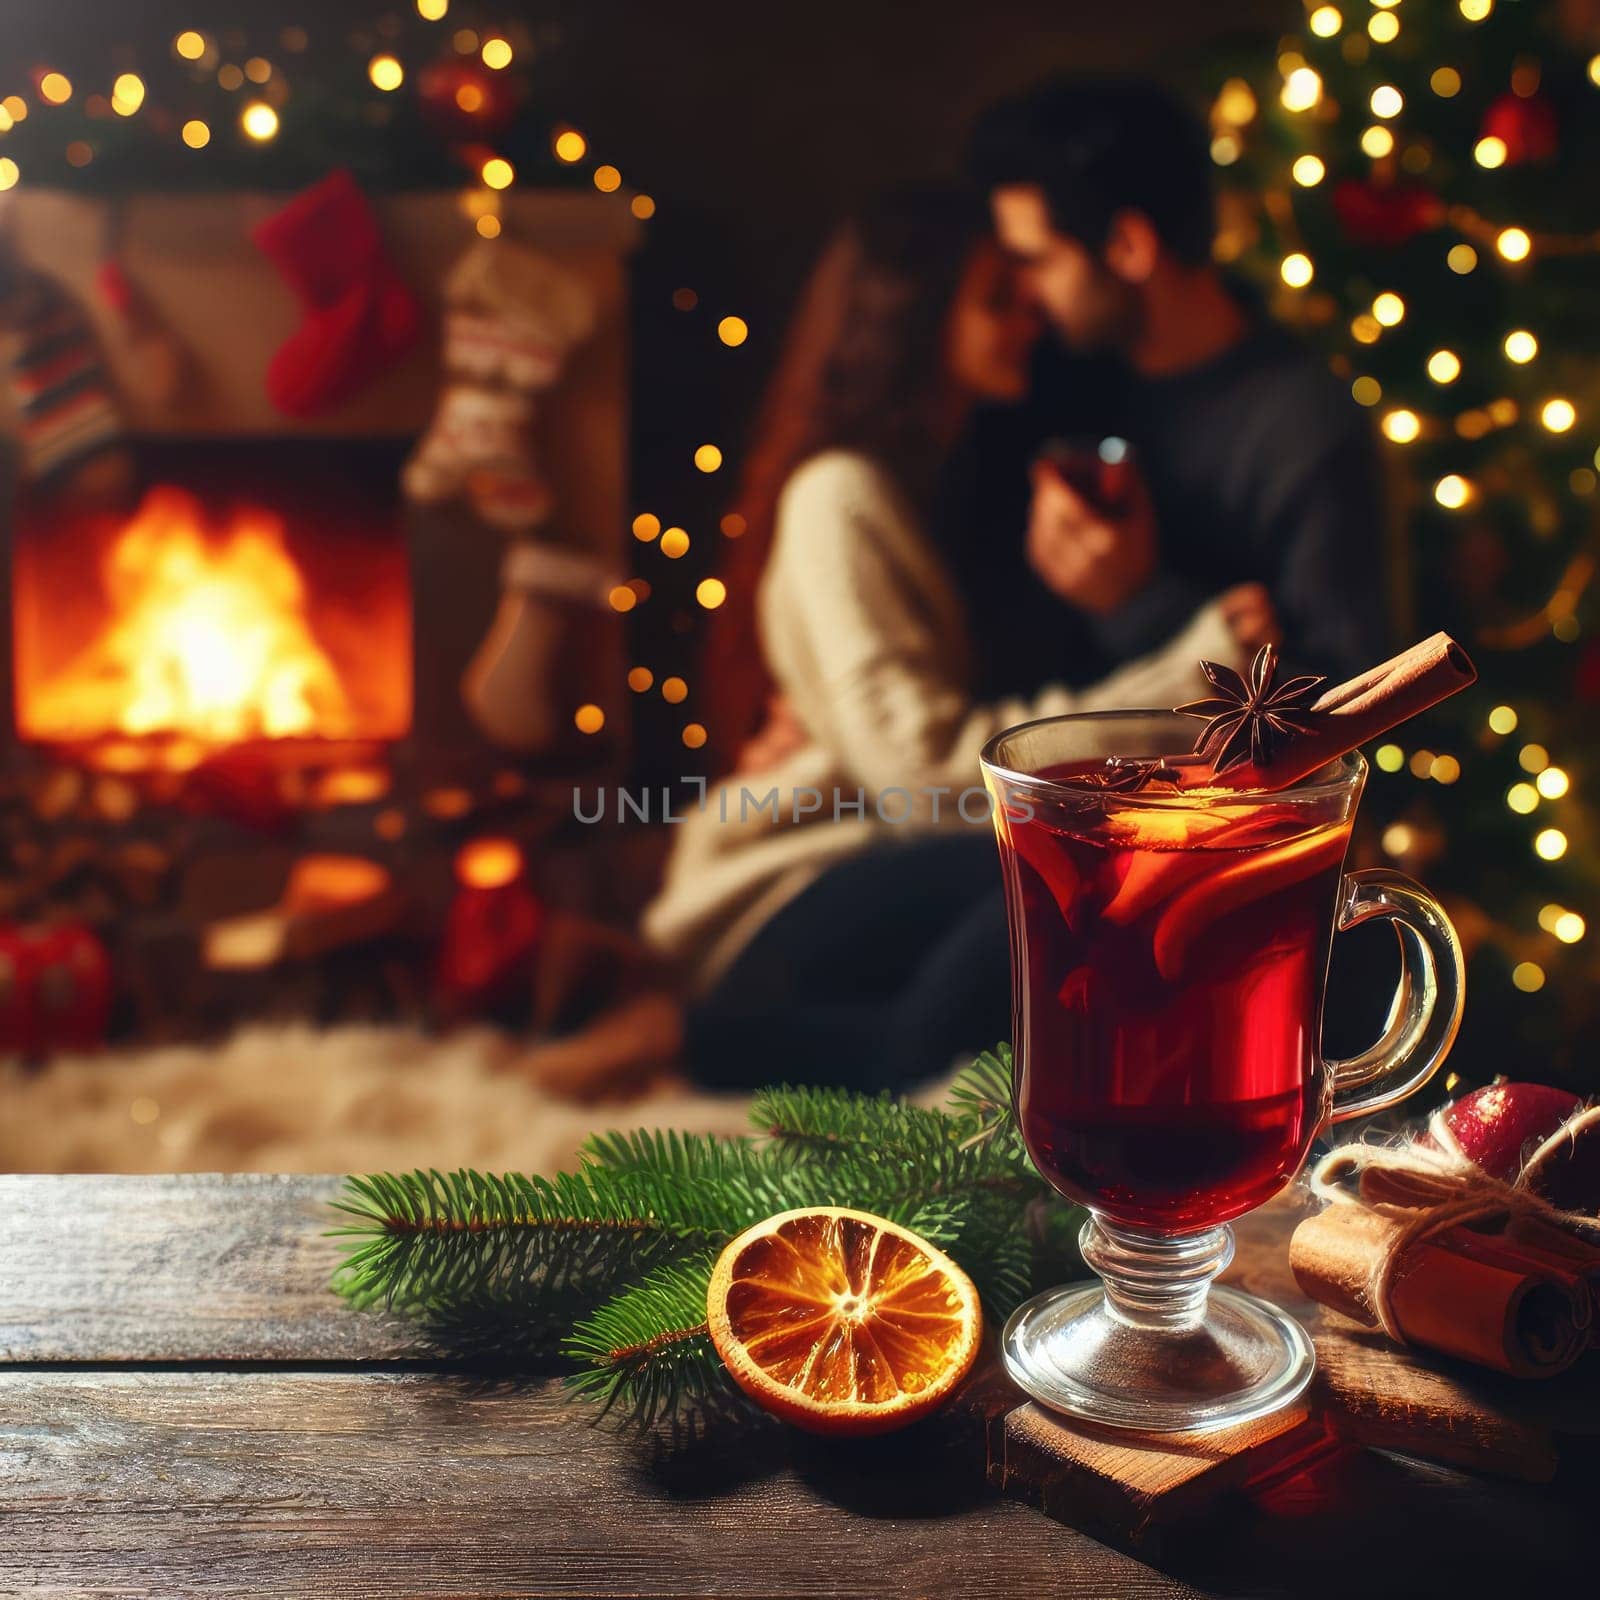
(1410, 184)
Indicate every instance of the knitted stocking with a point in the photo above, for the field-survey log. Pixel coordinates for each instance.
(359, 316)
(512, 316)
(58, 383)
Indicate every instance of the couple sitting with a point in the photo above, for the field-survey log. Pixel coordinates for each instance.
(895, 618)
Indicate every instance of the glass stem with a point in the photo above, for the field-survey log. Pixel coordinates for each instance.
(1156, 1281)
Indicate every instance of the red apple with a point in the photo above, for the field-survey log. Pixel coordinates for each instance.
(1506, 1126)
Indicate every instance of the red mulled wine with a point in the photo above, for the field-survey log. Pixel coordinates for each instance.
(1169, 959)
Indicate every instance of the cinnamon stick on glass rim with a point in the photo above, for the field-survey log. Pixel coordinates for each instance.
(1345, 717)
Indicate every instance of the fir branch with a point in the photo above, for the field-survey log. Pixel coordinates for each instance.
(727, 1183)
(430, 1239)
(616, 1255)
(648, 1350)
(981, 1095)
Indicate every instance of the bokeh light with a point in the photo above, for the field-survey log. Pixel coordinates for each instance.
(259, 121)
(127, 94)
(1389, 309)
(1302, 89)
(1296, 270)
(1401, 426)
(1387, 101)
(1513, 244)
(1558, 414)
(1444, 366)
(1520, 346)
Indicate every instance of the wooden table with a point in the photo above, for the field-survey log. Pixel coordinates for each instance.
(186, 1410)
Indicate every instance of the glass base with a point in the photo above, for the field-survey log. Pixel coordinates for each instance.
(1089, 1351)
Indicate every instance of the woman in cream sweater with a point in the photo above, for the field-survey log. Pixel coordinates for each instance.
(832, 910)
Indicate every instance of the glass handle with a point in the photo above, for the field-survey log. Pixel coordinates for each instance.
(1426, 1011)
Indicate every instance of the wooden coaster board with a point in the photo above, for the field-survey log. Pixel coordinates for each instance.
(1126, 1489)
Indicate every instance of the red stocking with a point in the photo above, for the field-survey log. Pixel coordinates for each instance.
(359, 316)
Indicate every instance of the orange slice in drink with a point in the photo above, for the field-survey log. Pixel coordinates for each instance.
(1167, 850)
(1248, 876)
(842, 1322)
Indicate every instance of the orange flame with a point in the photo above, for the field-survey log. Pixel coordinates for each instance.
(207, 638)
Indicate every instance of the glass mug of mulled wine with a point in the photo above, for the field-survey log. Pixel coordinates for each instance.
(1169, 952)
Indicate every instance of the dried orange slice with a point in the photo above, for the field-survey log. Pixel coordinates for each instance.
(842, 1322)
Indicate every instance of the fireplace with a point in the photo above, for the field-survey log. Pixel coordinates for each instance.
(236, 764)
(249, 596)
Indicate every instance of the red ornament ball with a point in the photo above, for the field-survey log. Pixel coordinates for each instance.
(463, 99)
(1545, 1135)
(1385, 214)
(1526, 126)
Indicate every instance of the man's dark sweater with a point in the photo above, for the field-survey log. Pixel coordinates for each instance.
(1260, 467)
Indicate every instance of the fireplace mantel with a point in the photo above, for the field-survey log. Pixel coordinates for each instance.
(192, 256)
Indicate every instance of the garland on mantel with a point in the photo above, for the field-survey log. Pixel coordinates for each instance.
(608, 1264)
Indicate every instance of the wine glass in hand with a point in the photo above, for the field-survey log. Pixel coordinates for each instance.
(1091, 527)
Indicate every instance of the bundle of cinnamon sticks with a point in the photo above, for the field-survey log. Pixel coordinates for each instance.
(1523, 1298)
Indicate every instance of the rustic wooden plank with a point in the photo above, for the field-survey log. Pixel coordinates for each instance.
(199, 1267)
(279, 1484)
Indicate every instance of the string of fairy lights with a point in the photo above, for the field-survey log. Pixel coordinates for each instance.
(1479, 242)
(264, 88)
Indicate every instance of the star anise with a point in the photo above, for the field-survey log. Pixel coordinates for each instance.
(1124, 774)
(1246, 721)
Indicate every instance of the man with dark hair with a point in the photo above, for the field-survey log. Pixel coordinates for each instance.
(1247, 461)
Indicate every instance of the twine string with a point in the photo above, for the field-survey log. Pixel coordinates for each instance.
(1431, 1188)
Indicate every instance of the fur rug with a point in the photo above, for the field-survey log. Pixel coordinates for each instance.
(304, 1099)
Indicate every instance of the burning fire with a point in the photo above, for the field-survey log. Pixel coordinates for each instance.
(207, 637)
